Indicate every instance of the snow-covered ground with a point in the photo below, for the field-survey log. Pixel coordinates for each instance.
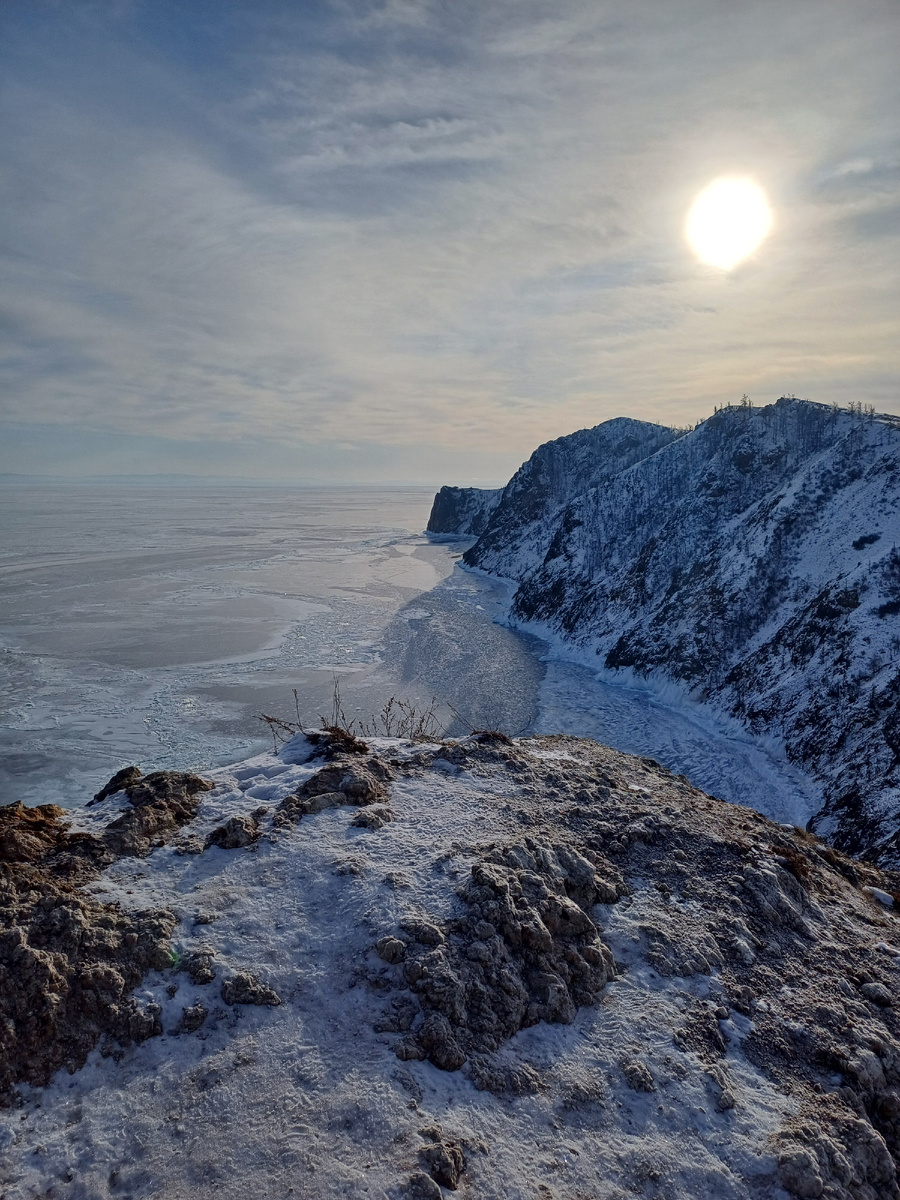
(306, 1099)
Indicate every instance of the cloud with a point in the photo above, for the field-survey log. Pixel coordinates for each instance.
(435, 225)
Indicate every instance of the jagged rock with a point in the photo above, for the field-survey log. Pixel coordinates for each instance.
(342, 783)
(198, 965)
(334, 743)
(518, 1079)
(404, 1011)
(877, 993)
(462, 511)
(68, 963)
(637, 1076)
(119, 781)
(391, 949)
(161, 803)
(527, 952)
(27, 835)
(374, 817)
(422, 932)
(719, 1084)
(846, 1158)
(244, 988)
(192, 1018)
(235, 834)
(423, 1187)
(443, 1160)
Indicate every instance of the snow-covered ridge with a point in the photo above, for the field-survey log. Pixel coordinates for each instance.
(504, 969)
(754, 560)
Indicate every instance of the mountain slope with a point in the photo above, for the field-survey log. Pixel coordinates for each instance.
(521, 525)
(754, 559)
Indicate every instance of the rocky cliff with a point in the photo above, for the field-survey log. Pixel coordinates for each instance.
(462, 512)
(754, 559)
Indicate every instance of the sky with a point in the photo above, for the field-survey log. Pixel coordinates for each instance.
(410, 240)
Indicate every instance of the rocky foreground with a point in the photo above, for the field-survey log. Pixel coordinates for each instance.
(537, 968)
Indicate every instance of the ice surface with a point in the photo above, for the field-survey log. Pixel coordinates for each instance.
(152, 626)
(715, 755)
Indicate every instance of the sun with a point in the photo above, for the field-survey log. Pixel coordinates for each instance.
(727, 221)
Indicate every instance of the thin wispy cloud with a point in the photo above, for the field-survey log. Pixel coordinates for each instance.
(385, 235)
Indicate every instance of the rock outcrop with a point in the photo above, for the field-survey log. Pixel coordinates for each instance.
(556, 961)
(526, 951)
(462, 512)
(69, 963)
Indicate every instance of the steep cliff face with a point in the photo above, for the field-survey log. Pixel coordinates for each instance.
(522, 524)
(462, 512)
(754, 559)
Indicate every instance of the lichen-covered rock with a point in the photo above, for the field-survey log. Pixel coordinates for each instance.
(527, 951)
(235, 834)
(354, 783)
(245, 988)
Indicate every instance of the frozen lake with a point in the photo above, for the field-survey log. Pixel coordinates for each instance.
(152, 625)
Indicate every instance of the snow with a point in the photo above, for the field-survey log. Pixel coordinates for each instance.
(305, 1098)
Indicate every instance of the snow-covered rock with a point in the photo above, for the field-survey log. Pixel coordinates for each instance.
(557, 971)
(755, 560)
(462, 512)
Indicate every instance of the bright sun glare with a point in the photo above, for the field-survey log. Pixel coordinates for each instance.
(727, 221)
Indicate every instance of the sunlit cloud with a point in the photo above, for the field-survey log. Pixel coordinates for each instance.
(434, 227)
